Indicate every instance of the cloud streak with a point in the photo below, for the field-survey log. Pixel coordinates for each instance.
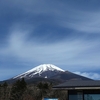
(75, 52)
(92, 75)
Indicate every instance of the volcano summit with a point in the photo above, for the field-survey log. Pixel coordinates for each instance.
(44, 70)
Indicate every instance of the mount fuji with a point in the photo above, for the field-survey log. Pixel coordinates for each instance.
(47, 73)
(44, 70)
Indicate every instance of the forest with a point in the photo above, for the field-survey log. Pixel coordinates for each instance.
(20, 90)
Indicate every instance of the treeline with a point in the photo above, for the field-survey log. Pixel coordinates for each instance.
(20, 90)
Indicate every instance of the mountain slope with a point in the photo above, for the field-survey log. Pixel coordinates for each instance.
(69, 76)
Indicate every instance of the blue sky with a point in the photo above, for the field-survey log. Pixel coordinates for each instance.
(65, 33)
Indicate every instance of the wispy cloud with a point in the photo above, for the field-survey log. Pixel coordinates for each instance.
(60, 14)
(66, 52)
(92, 75)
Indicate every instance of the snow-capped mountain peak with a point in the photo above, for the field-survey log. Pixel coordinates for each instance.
(39, 70)
(45, 67)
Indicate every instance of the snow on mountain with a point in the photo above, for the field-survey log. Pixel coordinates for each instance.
(43, 70)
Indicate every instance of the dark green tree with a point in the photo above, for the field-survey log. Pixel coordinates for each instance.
(23, 84)
(5, 85)
(4, 90)
(43, 88)
(18, 89)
